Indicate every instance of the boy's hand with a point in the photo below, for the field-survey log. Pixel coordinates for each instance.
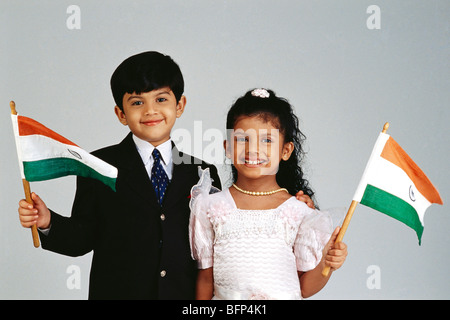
(335, 253)
(38, 214)
(305, 198)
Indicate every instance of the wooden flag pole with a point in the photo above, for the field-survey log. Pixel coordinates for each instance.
(27, 190)
(348, 217)
(340, 236)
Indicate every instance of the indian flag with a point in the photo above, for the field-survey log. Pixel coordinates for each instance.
(44, 155)
(393, 184)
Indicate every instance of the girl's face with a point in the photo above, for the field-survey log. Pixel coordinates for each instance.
(256, 147)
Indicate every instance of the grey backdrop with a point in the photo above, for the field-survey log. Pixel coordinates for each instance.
(344, 78)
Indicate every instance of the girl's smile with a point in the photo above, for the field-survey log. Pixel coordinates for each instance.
(257, 162)
(254, 161)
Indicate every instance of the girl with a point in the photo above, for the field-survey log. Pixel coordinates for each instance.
(255, 240)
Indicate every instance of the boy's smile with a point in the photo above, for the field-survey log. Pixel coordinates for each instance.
(151, 115)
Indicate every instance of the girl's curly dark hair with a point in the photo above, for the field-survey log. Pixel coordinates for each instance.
(280, 113)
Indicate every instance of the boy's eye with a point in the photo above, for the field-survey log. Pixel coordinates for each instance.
(161, 99)
(266, 140)
(137, 103)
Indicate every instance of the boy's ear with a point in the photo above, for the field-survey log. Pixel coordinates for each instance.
(288, 148)
(180, 106)
(120, 115)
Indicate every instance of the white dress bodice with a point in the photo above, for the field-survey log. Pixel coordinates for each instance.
(255, 253)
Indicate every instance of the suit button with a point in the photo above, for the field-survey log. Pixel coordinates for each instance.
(163, 217)
(163, 273)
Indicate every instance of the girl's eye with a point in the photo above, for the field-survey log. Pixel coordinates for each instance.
(267, 140)
(241, 139)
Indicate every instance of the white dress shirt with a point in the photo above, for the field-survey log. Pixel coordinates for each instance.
(145, 150)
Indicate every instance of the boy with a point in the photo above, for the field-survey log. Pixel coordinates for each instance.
(141, 247)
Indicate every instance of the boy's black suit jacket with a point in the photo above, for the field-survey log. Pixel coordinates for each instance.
(141, 250)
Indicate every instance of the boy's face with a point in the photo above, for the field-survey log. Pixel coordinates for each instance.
(151, 115)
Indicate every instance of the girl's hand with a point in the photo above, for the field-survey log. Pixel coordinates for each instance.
(305, 198)
(335, 253)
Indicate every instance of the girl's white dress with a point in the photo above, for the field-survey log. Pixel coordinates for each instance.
(255, 253)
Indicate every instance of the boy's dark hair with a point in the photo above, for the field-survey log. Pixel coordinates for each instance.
(280, 113)
(145, 72)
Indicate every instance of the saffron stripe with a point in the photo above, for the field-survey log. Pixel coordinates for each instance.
(392, 152)
(392, 206)
(59, 167)
(28, 126)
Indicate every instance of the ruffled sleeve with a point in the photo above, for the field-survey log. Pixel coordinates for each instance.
(313, 234)
(201, 233)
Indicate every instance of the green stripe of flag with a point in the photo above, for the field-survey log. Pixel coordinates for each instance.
(59, 167)
(392, 206)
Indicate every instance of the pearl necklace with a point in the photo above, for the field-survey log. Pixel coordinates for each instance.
(259, 193)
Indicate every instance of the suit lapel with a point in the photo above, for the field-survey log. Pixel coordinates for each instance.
(182, 176)
(134, 174)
